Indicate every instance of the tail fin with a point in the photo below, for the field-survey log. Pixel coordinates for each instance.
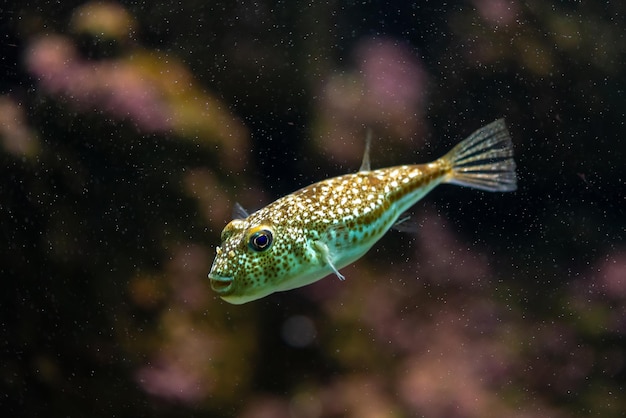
(484, 160)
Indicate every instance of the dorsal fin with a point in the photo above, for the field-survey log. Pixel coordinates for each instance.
(239, 212)
(365, 164)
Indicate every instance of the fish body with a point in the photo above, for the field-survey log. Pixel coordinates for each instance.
(315, 231)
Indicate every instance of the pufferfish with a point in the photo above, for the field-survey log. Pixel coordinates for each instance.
(319, 229)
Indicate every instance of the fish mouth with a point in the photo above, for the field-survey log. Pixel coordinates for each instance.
(220, 284)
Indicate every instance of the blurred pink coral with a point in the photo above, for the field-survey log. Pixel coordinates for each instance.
(604, 281)
(16, 137)
(497, 12)
(266, 406)
(169, 381)
(600, 295)
(358, 396)
(393, 78)
(103, 19)
(182, 369)
(610, 274)
(386, 92)
(190, 359)
(154, 92)
(116, 87)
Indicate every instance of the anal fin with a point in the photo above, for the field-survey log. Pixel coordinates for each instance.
(406, 223)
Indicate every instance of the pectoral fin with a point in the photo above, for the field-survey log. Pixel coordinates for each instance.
(324, 254)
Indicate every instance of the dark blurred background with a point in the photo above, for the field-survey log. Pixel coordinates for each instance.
(128, 130)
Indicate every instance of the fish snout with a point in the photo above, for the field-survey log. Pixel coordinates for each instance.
(221, 284)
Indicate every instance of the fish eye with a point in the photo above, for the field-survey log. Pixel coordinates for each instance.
(261, 240)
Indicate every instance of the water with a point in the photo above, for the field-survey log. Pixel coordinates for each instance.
(127, 134)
